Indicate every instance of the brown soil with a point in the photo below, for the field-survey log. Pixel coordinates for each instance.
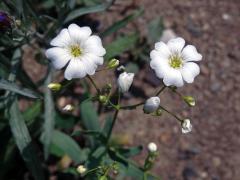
(211, 151)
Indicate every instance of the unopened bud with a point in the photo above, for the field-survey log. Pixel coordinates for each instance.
(158, 112)
(189, 100)
(125, 81)
(152, 147)
(113, 64)
(54, 86)
(68, 108)
(151, 105)
(103, 99)
(186, 126)
(81, 169)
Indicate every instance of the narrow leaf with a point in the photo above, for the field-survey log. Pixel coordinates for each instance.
(86, 10)
(122, 23)
(24, 142)
(120, 45)
(49, 115)
(68, 146)
(7, 85)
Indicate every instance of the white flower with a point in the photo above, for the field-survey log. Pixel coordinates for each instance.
(125, 81)
(81, 169)
(186, 126)
(152, 147)
(76, 45)
(172, 62)
(151, 104)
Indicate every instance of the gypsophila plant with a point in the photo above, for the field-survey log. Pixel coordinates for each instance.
(49, 117)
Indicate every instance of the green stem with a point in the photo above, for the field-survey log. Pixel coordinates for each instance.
(93, 83)
(179, 119)
(114, 118)
(134, 106)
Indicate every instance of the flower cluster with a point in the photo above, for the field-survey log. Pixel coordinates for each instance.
(81, 53)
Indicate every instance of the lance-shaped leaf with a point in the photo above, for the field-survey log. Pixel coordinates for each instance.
(66, 144)
(86, 10)
(122, 23)
(49, 117)
(10, 86)
(23, 140)
(120, 45)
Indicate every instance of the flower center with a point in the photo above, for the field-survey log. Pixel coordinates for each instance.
(175, 61)
(75, 50)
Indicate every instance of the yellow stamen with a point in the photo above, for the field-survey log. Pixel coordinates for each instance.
(76, 50)
(175, 61)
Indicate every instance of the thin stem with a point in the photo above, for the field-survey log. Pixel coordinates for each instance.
(161, 90)
(92, 170)
(114, 118)
(179, 119)
(134, 106)
(93, 83)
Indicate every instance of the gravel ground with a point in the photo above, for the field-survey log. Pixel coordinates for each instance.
(211, 151)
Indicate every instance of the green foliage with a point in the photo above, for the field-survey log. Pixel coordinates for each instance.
(30, 112)
(62, 144)
(121, 45)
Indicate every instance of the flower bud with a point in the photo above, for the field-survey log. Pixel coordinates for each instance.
(81, 169)
(125, 81)
(113, 63)
(189, 100)
(103, 99)
(152, 147)
(5, 22)
(54, 86)
(186, 126)
(151, 105)
(68, 108)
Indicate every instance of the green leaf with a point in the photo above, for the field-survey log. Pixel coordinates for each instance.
(128, 167)
(24, 142)
(68, 146)
(130, 151)
(86, 10)
(122, 23)
(120, 45)
(32, 112)
(89, 116)
(10, 86)
(155, 29)
(49, 116)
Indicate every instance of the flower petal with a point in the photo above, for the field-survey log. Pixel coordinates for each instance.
(176, 45)
(190, 53)
(93, 45)
(79, 34)
(160, 66)
(59, 57)
(62, 39)
(96, 59)
(173, 77)
(75, 69)
(163, 49)
(189, 71)
(89, 64)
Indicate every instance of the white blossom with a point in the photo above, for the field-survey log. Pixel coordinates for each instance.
(78, 49)
(173, 62)
(151, 104)
(186, 126)
(125, 81)
(152, 147)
